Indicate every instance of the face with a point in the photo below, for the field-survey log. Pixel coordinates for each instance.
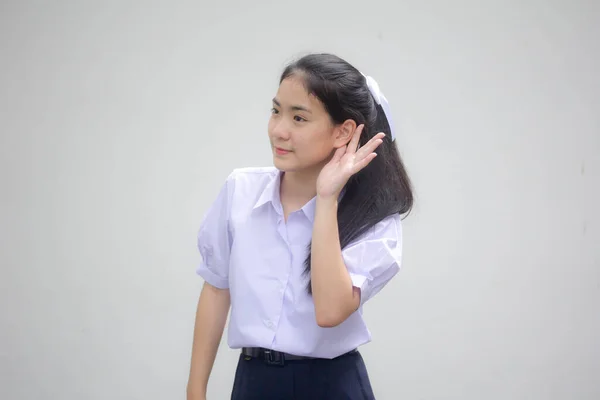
(301, 133)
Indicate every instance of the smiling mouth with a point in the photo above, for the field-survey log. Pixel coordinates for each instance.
(281, 151)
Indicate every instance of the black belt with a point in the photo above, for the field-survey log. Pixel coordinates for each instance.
(273, 357)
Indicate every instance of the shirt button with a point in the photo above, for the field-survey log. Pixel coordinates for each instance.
(269, 323)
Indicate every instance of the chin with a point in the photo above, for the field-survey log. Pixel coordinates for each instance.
(282, 165)
(290, 165)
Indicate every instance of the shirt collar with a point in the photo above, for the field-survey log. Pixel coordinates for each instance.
(309, 209)
(271, 194)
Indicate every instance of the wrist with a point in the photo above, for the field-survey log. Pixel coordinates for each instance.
(328, 199)
(196, 393)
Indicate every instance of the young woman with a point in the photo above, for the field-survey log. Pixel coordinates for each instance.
(298, 248)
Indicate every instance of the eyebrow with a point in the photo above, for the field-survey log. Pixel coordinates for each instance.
(293, 108)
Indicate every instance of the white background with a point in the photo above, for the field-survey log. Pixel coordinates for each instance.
(119, 121)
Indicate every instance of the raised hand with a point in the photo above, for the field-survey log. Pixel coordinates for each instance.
(347, 161)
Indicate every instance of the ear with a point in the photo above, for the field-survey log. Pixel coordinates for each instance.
(344, 132)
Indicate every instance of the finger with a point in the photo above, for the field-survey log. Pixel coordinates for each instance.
(380, 135)
(353, 145)
(363, 163)
(370, 146)
(367, 146)
(339, 153)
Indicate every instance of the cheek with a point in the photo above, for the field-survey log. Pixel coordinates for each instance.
(324, 138)
(316, 146)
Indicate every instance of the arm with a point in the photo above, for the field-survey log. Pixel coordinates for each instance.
(334, 296)
(211, 315)
(214, 245)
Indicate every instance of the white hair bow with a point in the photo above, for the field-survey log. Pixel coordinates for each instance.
(382, 101)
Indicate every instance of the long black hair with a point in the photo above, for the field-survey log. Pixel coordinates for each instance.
(382, 188)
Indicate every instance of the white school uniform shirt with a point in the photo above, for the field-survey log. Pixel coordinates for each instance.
(247, 246)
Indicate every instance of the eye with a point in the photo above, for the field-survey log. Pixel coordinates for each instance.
(298, 118)
(274, 111)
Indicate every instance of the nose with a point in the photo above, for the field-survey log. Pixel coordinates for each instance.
(280, 129)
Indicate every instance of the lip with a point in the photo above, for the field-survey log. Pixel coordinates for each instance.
(281, 152)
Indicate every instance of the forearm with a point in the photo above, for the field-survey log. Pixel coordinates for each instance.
(333, 294)
(211, 315)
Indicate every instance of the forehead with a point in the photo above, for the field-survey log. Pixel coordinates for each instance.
(292, 92)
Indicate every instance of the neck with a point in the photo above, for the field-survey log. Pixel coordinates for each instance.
(301, 185)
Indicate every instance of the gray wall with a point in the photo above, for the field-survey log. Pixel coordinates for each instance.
(119, 120)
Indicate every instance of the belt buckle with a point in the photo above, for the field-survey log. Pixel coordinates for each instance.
(274, 358)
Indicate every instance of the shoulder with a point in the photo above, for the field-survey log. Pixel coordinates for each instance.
(388, 230)
(247, 185)
(252, 175)
(248, 180)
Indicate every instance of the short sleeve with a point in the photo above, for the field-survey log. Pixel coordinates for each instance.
(375, 258)
(214, 240)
